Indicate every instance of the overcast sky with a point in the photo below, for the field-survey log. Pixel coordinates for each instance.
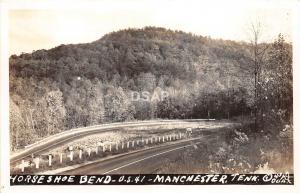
(34, 29)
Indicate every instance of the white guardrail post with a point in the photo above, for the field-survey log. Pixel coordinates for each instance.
(22, 166)
(60, 157)
(89, 152)
(71, 155)
(49, 160)
(37, 162)
(80, 153)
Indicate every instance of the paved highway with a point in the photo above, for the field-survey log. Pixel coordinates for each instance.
(143, 162)
(65, 137)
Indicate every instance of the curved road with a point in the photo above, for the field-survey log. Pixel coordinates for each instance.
(64, 137)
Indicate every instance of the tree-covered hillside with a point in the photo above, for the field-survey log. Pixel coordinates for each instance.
(85, 84)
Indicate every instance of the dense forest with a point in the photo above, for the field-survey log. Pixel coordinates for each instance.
(80, 85)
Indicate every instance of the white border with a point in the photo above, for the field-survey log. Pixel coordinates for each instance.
(4, 97)
(4, 121)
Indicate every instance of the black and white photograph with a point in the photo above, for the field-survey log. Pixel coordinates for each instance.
(151, 92)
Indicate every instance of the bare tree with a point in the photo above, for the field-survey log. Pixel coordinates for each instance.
(258, 50)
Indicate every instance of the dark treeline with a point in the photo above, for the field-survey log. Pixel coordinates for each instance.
(86, 84)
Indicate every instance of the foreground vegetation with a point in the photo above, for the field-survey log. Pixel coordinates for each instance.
(236, 151)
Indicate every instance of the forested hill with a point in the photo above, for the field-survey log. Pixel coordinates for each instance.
(84, 84)
(128, 53)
